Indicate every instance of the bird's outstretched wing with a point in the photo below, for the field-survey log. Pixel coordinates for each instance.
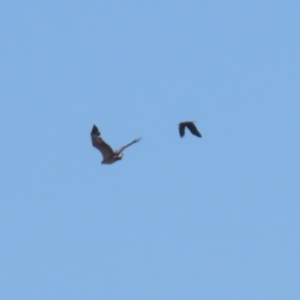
(181, 128)
(191, 126)
(193, 129)
(118, 151)
(99, 143)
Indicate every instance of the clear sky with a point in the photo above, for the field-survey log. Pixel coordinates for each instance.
(210, 218)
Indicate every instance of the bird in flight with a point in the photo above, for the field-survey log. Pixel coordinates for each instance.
(191, 126)
(109, 156)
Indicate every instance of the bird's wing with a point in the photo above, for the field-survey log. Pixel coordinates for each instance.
(181, 128)
(99, 143)
(95, 130)
(193, 129)
(118, 151)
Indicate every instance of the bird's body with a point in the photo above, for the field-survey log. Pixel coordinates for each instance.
(109, 156)
(191, 126)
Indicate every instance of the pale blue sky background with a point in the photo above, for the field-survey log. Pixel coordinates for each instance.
(211, 218)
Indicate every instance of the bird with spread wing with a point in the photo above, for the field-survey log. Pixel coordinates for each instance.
(109, 156)
(191, 126)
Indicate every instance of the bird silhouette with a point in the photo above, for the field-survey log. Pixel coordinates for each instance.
(191, 126)
(109, 156)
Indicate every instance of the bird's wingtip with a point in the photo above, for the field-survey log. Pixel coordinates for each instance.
(95, 130)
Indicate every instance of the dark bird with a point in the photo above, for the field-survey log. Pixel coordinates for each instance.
(109, 156)
(191, 126)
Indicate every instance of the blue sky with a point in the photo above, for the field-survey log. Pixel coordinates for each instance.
(211, 218)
